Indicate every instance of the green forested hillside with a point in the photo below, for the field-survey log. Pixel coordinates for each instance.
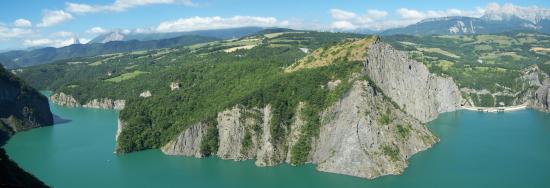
(213, 76)
(256, 70)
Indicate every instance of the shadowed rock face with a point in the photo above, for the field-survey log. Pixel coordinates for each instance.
(409, 83)
(21, 108)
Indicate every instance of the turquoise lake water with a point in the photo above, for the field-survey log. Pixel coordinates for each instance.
(477, 149)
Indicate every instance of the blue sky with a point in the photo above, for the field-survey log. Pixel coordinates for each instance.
(55, 23)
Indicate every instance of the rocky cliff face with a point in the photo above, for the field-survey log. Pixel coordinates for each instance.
(21, 108)
(187, 143)
(353, 140)
(365, 135)
(409, 83)
(541, 100)
(64, 100)
(370, 132)
(104, 103)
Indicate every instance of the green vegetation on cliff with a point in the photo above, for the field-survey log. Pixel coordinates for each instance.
(212, 77)
(278, 69)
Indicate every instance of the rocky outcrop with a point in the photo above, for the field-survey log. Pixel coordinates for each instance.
(188, 143)
(63, 99)
(145, 94)
(541, 100)
(409, 83)
(353, 139)
(120, 126)
(105, 103)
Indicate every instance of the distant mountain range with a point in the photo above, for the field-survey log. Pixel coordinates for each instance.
(118, 41)
(24, 58)
(216, 33)
(489, 23)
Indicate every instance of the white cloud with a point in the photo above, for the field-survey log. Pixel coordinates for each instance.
(51, 18)
(84, 40)
(376, 14)
(62, 34)
(22, 23)
(532, 13)
(43, 42)
(121, 5)
(10, 33)
(342, 14)
(343, 25)
(410, 14)
(96, 30)
(216, 22)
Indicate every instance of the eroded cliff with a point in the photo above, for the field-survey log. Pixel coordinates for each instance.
(363, 135)
(104, 103)
(410, 84)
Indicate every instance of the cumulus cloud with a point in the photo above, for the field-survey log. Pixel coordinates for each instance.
(62, 34)
(406, 13)
(96, 30)
(343, 25)
(216, 22)
(345, 20)
(376, 14)
(50, 18)
(532, 13)
(10, 33)
(22, 23)
(342, 14)
(121, 5)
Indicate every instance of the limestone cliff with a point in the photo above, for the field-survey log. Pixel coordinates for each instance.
(356, 140)
(353, 140)
(370, 132)
(104, 103)
(187, 143)
(541, 100)
(409, 83)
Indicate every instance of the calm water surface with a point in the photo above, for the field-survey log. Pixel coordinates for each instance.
(509, 149)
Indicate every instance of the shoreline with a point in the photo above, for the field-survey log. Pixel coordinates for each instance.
(496, 109)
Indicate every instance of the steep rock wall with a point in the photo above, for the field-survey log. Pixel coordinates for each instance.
(352, 140)
(104, 103)
(409, 83)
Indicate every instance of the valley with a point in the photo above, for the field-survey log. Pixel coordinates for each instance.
(264, 97)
